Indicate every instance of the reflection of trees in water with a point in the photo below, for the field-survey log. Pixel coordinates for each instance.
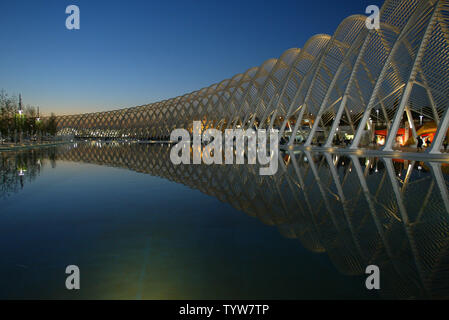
(20, 168)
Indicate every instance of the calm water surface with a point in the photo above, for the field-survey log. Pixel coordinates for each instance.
(139, 227)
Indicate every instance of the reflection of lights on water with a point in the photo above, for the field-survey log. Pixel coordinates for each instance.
(419, 168)
(21, 172)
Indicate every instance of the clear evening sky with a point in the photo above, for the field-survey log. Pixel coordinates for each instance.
(134, 52)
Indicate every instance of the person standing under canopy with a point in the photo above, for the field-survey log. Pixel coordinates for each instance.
(420, 143)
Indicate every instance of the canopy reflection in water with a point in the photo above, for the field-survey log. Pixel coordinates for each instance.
(359, 211)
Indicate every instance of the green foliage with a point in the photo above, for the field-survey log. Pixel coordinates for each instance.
(27, 123)
(51, 125)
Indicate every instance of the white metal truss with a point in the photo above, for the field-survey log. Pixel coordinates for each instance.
(356, 79)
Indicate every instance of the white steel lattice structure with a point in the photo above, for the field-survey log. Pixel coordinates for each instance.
(355, 79)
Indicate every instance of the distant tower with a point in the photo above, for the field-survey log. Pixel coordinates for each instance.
(20, 104)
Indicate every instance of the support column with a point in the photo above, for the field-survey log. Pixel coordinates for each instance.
(440, 134)
(297, 124)
(366, 114)
(408, 89)
(314, 68)
(332, 86)
(336, 122)
(344, 100)
(412, 124)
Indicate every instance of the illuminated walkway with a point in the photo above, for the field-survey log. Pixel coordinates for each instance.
(347, 83)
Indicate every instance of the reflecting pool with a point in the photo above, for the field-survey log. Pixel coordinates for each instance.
(139, 227)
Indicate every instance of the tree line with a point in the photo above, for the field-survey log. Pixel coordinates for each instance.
(16, 124)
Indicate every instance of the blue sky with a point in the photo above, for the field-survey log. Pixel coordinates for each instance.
(134, 52)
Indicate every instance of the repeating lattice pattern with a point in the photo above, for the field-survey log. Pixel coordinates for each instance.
(359, 211)
(353, 78)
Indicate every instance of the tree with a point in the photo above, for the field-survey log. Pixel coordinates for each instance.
(12, 123)
(8, 108)
(52, 125)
